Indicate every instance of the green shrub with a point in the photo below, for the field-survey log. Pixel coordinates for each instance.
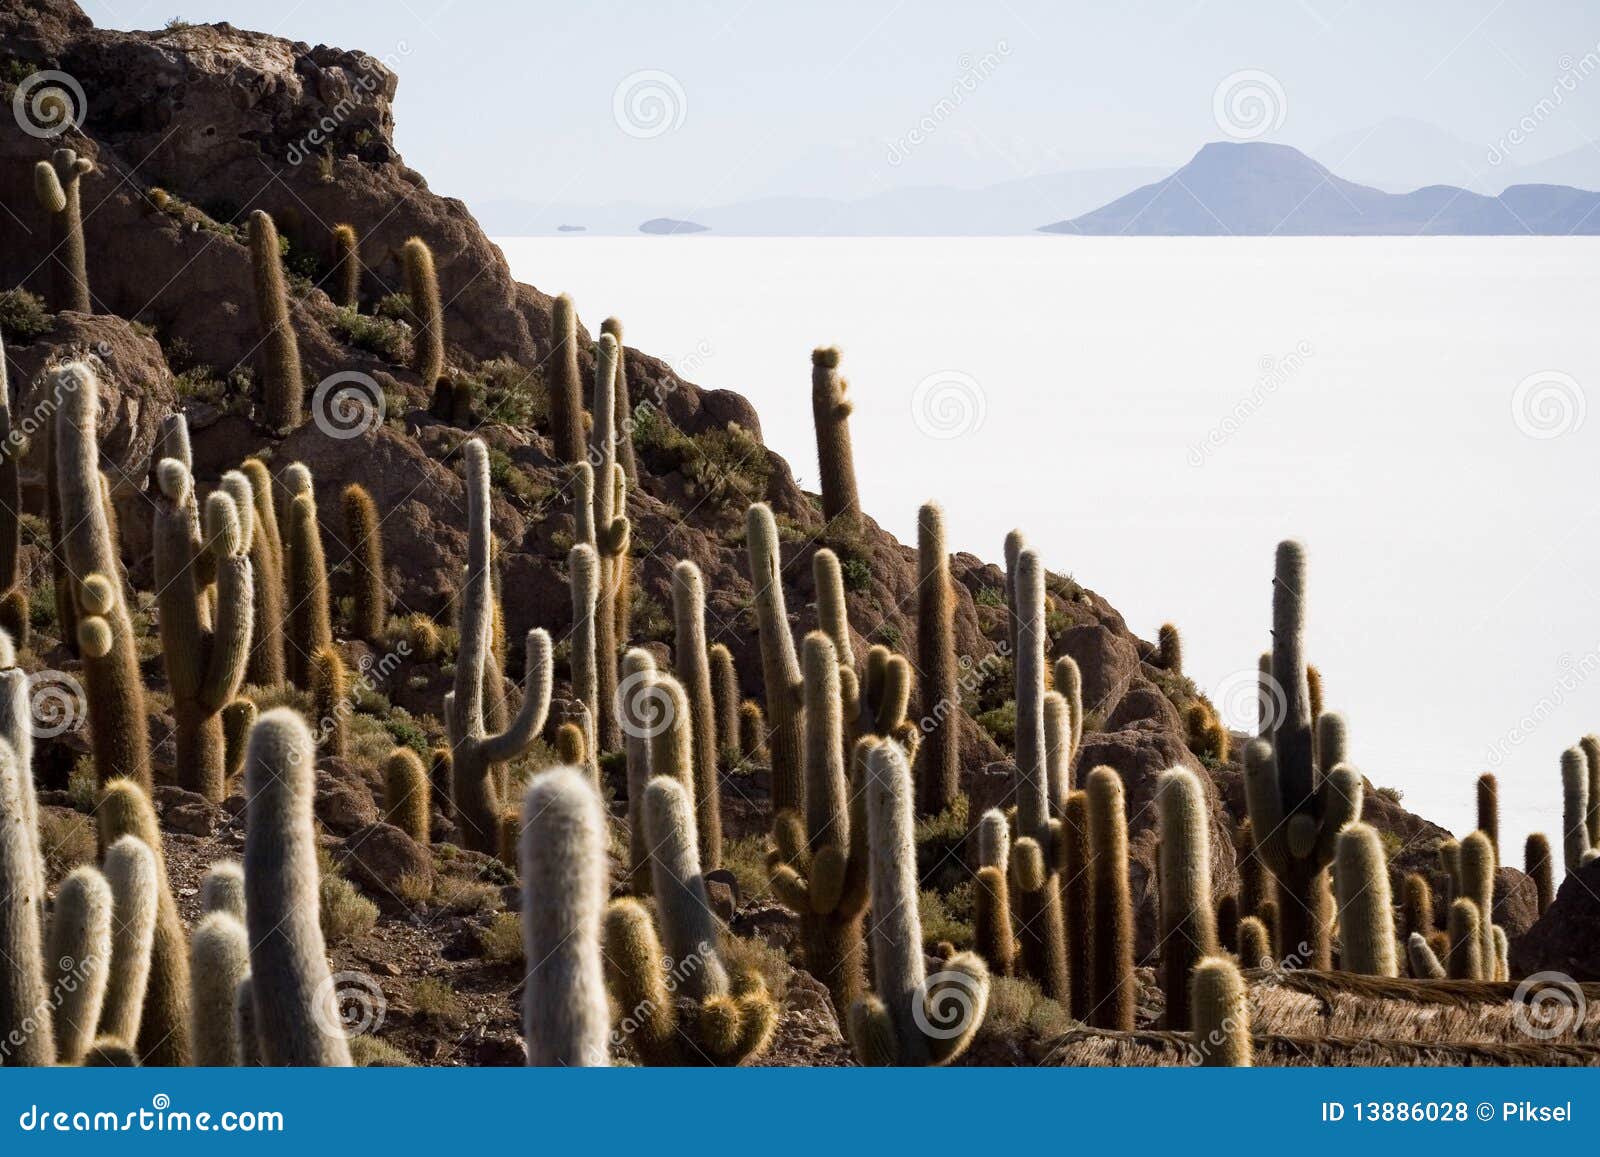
(857, 574)
(387, 338)
(370, 1052)
(23, 316)
(501, 941)
(436, 1001)
(1001, 723)
(990, 597)
(512, 394)
(346, 913)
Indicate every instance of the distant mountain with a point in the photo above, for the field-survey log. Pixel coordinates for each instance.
(1580, 168)
(668, 226)
(1259, 189)
(1400, 154)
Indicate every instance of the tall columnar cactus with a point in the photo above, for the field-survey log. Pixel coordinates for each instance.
(118, 730)
(694, 671)
(1466, 941)
(330, 700)
(565, 1018)
(1420, 956)
(422, 286)
(907, 1019)
(566, 388)
(132, 877)
(1057, 749)
(992, 933)
(780, 666)
(1366, 914)
(406, 795)
(1416, 905)
(1489, 809)
(58, 184)
(13, 594)
(1114, 990)
(1069, 685)
(1035, 857)
(1169, 649)
(1077, 901)
(1188, 920)
(623, 407)
(283, 387)
(882, 696)
(820, 866)
(125, 810)
(16, 730)
(1590, 746)
(612, 532)
(219, 960)
(205, 650)
(371, 598)
(238, 717)
(296, 1013)
(310, 623)
(474, 751)
(25, 1008)
(638, 706)
(939, 755)
(833, 617)
(671, 742)
(346, 264)
(1536, 862)
(222, 889)
(583, 576)
(266, 667)
(79, 960)
(244, 1024)
(1296, 808)
(1575, 840)
(830, 411)
(1477, 884)
(725, 703)
(1255, 943)
(1220, 1020)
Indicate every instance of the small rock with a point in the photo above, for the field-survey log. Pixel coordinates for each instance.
(166, 796)
(379, 855)
(342, 807)
(723, 897)
(500, 1051)
(197, 819)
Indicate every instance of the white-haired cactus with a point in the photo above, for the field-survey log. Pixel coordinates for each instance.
(1188, 919)
(1477, 884)
(474, 751)
(24, 1006)
(565, 1018)
(1574, 807)
(79, 960)
(780, 665)
(830, 411)
(833, 618)
(583, 575)
(13, 593)
(267, 663)
(566, 391)
(939, 754)
(1114, 991)
(222, 889)
(308, 619)
(1220, 1018)
(131, 874)
(612, 534)
(637, 708)
(1366, 912)
(1466, 942)
(1424, 962)
(219, 961)
(694, 672)
(992, 933)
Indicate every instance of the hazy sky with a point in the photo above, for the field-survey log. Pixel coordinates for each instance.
(517, 100)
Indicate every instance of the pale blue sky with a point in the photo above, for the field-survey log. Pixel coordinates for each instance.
(516, 100)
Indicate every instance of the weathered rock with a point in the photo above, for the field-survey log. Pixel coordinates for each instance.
(343, 806)
(1567, 937)
(378, 856)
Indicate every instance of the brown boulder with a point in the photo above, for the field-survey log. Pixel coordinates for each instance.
(1108, 662)
(1516, 901)
(378, 856)
(343, 805)
(1567, 937)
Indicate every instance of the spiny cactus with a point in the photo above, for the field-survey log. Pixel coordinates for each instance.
(238, 718)
(310, 626)
(422, 286)
(346, 267)
(694, 671)
(219, 960)
(330, 698)
(1114, 990)
(79, 960)
(1574, 807)
(244, 1023)
(108, 1052)
(132, 876)
(1057, 749)
(992, 933)
(565, 1017)
(833, 617)
(1416, 905)
(1220, 1020)
(163, 1040)
(571, 746)
(623, 405)
(1466, 942)
(612, 532)
(1489, 809)
(25, 1008)
(1255, 944)
(283, 387)
(638, 706)
(13, 595)
(725, 703)
(1477, 884)
(1366, 916)
(1424, 963)
(1169, 649)
(474, 752)
(371, 599)
(1536, 862)
(1069, 685)
(405, 794)
(1036, 854)
(1015, 544)
(1188, 920)
(1590, 746)
(1502, 954)
(566, 389)
(1077, 900)
(752, 733)
(16, 730)
(204, 645)
(296, 1013)
(830, 411)
(58, 184)
(939, 755)
(883, 696)
(583, 575)
(908, 1018)
(780, 666)
(266, 667)
(117, 726)
(819, 868)
(222, 889)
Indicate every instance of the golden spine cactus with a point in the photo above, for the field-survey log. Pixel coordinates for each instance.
(725, 701)
(830, 411)
(1255, 944)
(819, 868)
(1077, 900)
(780, 665)
(266, 667)
(1220, 1017)
(908, 1018)
(16, 730)
(1466, 942)
(58, 184)
(992, 933)
(406, 795)
(118, 730)
(219, 961)
(694, 671)
(132, 876)
(310, 624)
(205, 642)
(346, 267)
(283, 387)
(1188, 920)
(1416, 905)
(566, 391)
(623, 404)
(1489, 809)
(833, 618)
(612, 534)
(638, 706)
(1114, 990)
(371, 599)
(1477, 884)
(1590, 746)
(1169, 649)
(1069, 685)
(238, 718)
(565, 1017)
(1575, 840)
(939, 754)
(330, 697)
(1422, 959)
(422, 286)
(1536, 862)
(583, 573)
(1366, 913)
(475, 752)
(79, 960)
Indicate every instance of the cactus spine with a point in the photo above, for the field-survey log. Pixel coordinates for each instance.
(1077, 899)
(694, 671)
(1466, 942)
(283, 388)
(612, 532)
(780, 666)
(25, 1008)
(219, 961)
(1536, 862)
(566, 392)
(117, 726)
(637, 706)
(58, 184)
(79, 959)
(222, 889)
(623, 407)
(13, 595)
(1169, 649)
(583, 572)
(1366, 915)
(991, 919)
(266, 667)
(296, 1015)
(330, 698)
(1220, 1021)
(474, 751)
(939, 755)
(1574, 807)
(406, 794)
(310, 627)
(422, 286)
(132, 877)
(1188, 920)
(361, 523)
(1477, 884)
(833, 617)
(1590, 746)
(830, 411)
(725, 701)
(565, 1018)
(1489, 809)
(1255, 945)
(905, 1020)
(1114, 990)
(346, 267)
(1424, 962)
(1416, 907)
